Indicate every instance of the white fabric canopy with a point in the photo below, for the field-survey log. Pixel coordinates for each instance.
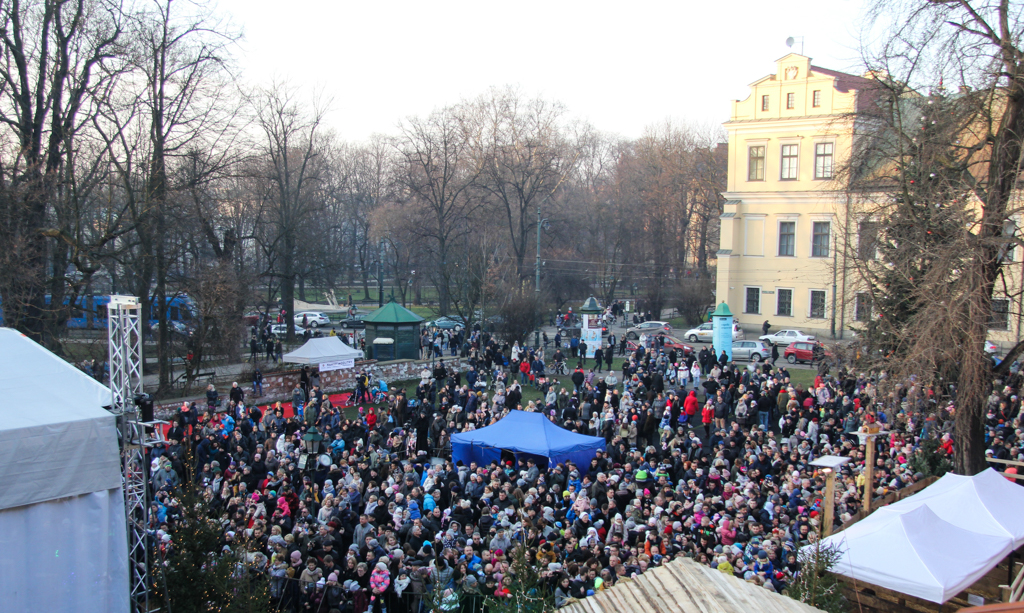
(56, 439)
(986, 503)
(917, 553)
(325, 349)
(62, 518)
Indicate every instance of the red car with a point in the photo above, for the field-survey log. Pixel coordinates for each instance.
(806, 351)
(671, 342)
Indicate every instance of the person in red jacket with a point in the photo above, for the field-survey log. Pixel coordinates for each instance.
(690, 405)
(707, 416)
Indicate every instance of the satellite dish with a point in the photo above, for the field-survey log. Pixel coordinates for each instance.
(790, 41)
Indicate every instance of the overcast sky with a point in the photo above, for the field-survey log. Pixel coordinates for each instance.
(621, 66)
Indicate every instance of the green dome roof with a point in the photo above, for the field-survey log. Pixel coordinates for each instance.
(392, 313)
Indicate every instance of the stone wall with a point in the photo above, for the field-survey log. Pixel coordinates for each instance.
(279, 385)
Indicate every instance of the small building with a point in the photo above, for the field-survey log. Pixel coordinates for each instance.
(392, 333)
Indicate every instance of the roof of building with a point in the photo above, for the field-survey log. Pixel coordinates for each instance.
(392, 313)
(590, 306)
(684, 586)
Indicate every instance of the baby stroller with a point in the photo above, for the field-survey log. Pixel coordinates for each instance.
(379, 393)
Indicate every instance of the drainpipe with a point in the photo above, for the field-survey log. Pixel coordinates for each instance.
(846, 248)
(835, 273)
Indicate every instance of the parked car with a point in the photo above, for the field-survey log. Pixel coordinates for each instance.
(754, 351)
(671, 342)
(281, 330)
(806, 351)
(353, 322)
(785, 337)
(705, 333)
(447, 322)
(647, 327)
(315, 319)
(576, 326)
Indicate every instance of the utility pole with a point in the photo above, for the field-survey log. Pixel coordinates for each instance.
(380, 273)
(536, 284)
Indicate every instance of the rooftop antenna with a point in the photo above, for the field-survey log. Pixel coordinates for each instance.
(792, 40)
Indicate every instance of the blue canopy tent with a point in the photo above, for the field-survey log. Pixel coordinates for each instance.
(525, 434)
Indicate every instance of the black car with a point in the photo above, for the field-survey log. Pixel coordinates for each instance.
(353, 322)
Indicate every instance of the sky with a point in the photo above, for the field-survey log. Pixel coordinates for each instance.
(621, 66)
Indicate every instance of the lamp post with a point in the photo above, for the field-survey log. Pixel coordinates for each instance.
(829, 464)
(311, 446)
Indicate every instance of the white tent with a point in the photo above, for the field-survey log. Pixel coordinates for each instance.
(320, 350)
(62, 522)
(985, 503)
(916, 553)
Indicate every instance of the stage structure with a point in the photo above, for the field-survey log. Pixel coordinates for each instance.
(125, 338)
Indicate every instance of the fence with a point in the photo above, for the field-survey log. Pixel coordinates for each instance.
(1011, 463)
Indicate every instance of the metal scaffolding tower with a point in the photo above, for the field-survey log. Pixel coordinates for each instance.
(125, 338)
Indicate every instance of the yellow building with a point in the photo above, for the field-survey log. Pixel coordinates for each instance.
(778, 259)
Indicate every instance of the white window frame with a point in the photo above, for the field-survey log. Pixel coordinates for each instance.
(792, 295)
(832, 166)
(810, 303)
(760, 299)
(764, 162)
(782, 162)
(816, 99)
(778, 234)
(856, 313)
(829, 246)
(790, 101)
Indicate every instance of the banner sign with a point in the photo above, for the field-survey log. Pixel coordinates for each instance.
(339, 365)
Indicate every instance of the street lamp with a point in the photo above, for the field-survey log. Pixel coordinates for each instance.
(311, 446)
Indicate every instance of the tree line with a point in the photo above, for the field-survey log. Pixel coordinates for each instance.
(135, 160)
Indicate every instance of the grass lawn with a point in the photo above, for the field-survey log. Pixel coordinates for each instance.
(800, 376)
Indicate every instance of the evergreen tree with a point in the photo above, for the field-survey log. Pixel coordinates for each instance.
(926, 218)
(528, 590)
(815, 584)
(198, 573)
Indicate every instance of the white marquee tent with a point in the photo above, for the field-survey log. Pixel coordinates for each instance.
(938, 542)
(320, 350)
(62, 522)
(986, 503)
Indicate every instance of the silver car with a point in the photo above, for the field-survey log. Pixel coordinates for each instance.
(754, 351)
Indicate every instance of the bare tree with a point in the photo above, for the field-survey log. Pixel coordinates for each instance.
(53, 55)
(439, 173)
(293, 153)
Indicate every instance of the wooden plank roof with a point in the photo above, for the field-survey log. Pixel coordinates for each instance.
(684, 586)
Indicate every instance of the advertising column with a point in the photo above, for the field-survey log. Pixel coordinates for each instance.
(722, 331)
(590, 333)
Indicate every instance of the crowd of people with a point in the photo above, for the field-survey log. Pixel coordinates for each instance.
(705, 459)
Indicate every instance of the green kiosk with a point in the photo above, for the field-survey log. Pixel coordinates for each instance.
(392, 333)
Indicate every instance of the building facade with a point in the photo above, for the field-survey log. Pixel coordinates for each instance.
(789, 225)
(781, 257)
